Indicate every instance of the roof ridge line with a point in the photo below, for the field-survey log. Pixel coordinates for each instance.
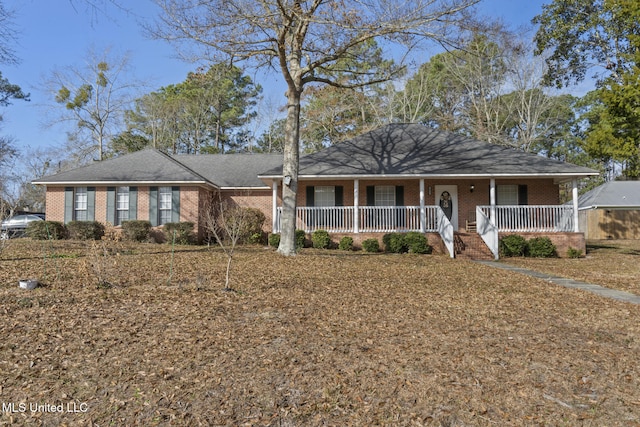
(187, 168)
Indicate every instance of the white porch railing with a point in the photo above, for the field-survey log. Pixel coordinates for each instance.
(371, 219)
(487, 231)
(338, 219)
(530, 218)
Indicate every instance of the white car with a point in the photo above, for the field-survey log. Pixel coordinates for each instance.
(16, 225)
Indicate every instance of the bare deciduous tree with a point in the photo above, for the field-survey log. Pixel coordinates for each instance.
(227, 223)
(306, 41)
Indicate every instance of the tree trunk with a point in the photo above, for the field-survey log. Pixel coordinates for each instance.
(290, 165)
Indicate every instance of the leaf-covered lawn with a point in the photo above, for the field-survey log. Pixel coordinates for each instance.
(325, 338)
(614, 264)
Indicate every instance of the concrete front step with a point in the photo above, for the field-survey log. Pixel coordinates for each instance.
(471, 246)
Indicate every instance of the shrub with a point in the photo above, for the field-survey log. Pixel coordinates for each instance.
(346, 244)
(183, 232)
(256, 238)
(136, 230)
(574, 253)
(300, 239)
(371, 245)
(541, 247)
(321, 239)
(274, 240)
(45, 230)
(417, 243)
(513, 245)
(397, 243)
(253, 220)
(85, 230)
(386, 239)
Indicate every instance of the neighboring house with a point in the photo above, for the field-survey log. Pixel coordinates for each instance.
(401, 177)
(611, 211)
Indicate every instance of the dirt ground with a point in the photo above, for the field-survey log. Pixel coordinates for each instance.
(140, 335)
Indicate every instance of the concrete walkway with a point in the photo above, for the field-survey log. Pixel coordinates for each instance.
(569, 283)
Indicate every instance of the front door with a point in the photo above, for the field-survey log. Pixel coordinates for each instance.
(447, 199)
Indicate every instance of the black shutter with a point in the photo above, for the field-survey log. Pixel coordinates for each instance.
(399, 195)
(371, 195)
(400, 213)
(311, 194)
(523, 196)
(339, 195)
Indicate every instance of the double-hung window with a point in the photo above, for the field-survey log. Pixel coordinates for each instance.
(164, 205)
(385, 195)
(122, 205)
(325, 196)
(80, 204)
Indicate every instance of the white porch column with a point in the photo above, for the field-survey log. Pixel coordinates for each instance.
(423, 213)
(492, 199)
(356, 204)
(274, 206)
(574, 196)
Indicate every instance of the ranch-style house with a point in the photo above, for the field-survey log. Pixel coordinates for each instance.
(463, 193)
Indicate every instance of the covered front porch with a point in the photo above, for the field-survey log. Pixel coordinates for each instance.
(487, 220)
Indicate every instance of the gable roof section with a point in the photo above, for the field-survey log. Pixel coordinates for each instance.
(141, 167)
(415, 150)
(230, 171)
(612, 195)
(154, 167)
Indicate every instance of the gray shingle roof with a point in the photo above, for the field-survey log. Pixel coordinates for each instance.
(411, 149)
(152, 166)
(232, 170)
(143, 166)
(614, 194)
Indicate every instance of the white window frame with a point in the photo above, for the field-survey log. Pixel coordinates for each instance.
(80, 204)
(164, 205)
(385, 195)
(122, 205)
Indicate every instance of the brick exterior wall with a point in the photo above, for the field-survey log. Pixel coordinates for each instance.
(54, 204)
(193, 201)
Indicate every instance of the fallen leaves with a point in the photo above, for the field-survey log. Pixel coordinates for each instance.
(324, 338)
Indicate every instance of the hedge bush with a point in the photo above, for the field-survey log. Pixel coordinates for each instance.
(85, 230)
(46, 230)
(397, 243)
(574, 253)
(321, 239)
(300, 239)
(183, 232)
(417, 243)
(513, 245)
(371, 245)
(541, 247)
(346, 244)
(136, 230)
(274, 240)
(254, 220)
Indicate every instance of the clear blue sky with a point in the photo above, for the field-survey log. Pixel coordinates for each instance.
(58, 33)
